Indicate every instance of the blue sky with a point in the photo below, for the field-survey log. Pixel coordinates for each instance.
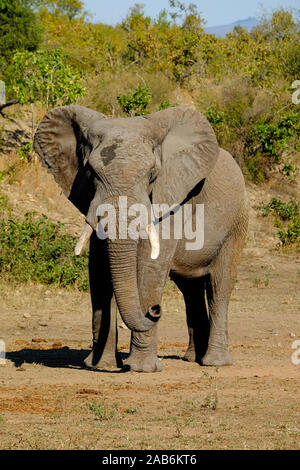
(216, 12)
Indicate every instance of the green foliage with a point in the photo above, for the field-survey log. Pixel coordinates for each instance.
(39, 250)
(214, 116)
(267, 141)
(287, 219)
(102, 411)
(70, 8)
(272, 138)
(136, 103)
(10, 171)
(4, 203)
(290, 234)
(44, 76)
(19, 29)
(240, 82)
(25, 151)
(165, 104)
(248, 124)
(284, 210)
(289, 170)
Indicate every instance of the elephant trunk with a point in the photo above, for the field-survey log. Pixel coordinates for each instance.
(123, 266)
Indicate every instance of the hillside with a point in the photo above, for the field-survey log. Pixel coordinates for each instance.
(222, 30)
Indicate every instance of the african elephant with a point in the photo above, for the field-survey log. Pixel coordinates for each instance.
(169, 157)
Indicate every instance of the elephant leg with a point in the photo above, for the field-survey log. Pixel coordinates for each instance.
(198, 324)
(143, 352)
(152, 276)
(104, 324)
(219, 287)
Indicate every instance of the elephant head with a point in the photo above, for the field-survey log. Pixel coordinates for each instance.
(155, 159)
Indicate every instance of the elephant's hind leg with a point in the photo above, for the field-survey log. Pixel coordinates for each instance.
(193, 291)
(104, 354)
(219, 287)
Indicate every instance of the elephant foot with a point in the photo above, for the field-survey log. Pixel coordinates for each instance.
(217, 358)
(95, 360)
(142, 363)
(190, 356)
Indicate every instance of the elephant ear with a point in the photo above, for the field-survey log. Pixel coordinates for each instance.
(62, 144)
(189, 151)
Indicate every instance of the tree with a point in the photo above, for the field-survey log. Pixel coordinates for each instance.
(70, 8)
(44, 76)
(191, 18)
(279, 26)
(19, 28)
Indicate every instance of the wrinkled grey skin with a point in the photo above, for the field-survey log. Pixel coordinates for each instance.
(170, 157)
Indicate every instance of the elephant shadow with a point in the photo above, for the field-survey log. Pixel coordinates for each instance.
(57, 358)
(61, 358)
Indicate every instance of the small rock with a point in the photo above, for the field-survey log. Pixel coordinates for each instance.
(26, 315)
(279, 345)
(66, 327)
(43, 324)
(48, 292)
(292, 335)
(275, 332)
(286, 302)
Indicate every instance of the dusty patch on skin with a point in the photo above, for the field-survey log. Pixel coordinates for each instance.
(108, 153)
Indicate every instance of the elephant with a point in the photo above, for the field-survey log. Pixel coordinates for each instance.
(171, 158)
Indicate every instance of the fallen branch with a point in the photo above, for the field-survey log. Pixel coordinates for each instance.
(9, 103)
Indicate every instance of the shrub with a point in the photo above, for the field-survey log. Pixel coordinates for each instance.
(25, 152)
(44, 76)
(36, 249)
(283, 210)
(287, 219)
(136, 103)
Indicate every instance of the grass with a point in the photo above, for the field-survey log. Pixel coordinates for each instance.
(262, 280)
(102, 410)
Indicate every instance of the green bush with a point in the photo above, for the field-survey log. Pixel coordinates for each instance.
(19, 28)
(136, 103)
(287, 219)
(45, 76)
(283, 210)
(25, 151)
(39, 250)
(290, 234)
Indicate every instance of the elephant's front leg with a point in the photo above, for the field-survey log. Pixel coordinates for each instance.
(104, 354)
(152, 275)
(143, 352)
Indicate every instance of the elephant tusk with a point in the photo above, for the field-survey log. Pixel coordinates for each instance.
(84, 237)
(154, 240)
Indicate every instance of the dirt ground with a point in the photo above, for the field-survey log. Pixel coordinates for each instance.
(49, 401)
